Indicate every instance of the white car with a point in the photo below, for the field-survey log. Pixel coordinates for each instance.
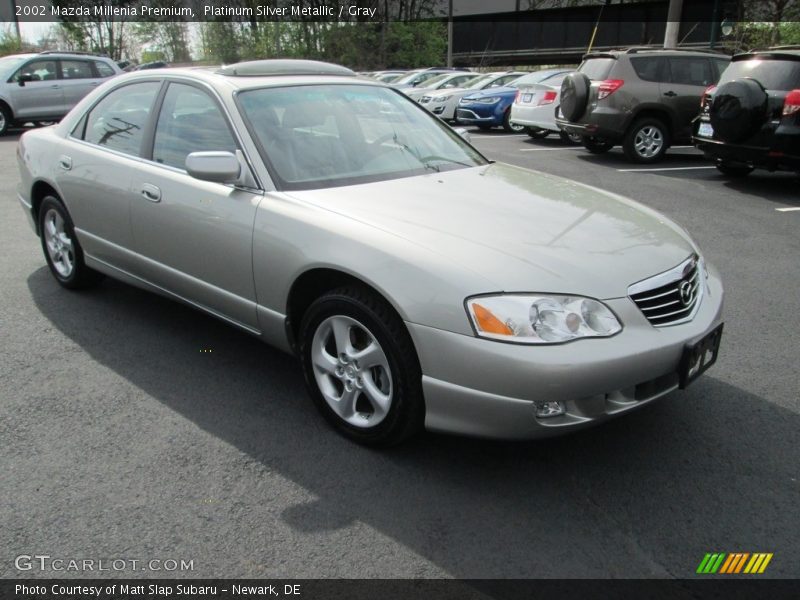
(534, 108)
(445, 81)
(443, 103)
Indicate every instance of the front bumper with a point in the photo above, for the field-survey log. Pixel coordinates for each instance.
(484, 388)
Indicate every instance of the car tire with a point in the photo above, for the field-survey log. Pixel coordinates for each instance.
(61, 248)
(574, 95)
(536, 133)
(646, 141)
(733, 170)
(571, 138)
(596, 145)
(383, 399)
(510, 127)
(5, 119)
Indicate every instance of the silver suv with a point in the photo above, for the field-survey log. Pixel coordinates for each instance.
(642, 98)
(45, 86)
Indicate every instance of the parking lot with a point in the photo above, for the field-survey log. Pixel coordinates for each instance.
(134, 427)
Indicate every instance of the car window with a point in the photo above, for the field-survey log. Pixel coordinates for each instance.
(691, 71)
(38, 70)
(650, 68)
(459, 81)
(318, 136)
(76, 69)
(501, 81)
(773, 74)
(436, 80)
(720, 65)
(189, 121)
(118, 120)
(598, 68)
(103, 69)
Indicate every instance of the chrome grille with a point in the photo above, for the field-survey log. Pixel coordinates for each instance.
(672, 297)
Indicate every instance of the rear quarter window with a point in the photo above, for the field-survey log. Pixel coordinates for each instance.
(773, 74)
(597, 68)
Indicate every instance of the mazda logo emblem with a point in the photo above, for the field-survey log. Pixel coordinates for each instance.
(686, 292)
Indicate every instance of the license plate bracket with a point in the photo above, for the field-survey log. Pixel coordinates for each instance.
(698, 357)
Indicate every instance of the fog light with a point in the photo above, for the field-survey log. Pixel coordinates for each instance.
(545, 409)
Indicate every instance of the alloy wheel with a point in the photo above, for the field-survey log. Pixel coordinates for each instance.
(649, 141)
(59, 245)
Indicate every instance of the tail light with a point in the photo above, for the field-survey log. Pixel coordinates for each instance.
(608, 87)
(705, 97)
(792, 103)
(516, 97)
(548, 98)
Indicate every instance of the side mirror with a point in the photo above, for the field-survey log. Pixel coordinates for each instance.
(24, 78)
(464, 134)
(221, 167)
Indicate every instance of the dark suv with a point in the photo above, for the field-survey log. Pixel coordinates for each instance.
(752, 118)
(642, 98)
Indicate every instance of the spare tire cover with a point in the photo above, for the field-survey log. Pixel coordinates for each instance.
(739, 109)
(574, 95)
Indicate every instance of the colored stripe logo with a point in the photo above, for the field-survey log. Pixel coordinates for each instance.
(734, 563)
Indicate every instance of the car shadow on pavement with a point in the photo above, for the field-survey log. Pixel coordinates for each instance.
(711, 469)
(779, 188)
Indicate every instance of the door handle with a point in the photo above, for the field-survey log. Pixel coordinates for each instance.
(65, 162)
(670, 93)
(55, 86)
(94, 83)
(151, 192)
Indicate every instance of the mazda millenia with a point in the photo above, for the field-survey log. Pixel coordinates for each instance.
(420, 284)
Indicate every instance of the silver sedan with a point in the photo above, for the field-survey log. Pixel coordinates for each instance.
(420, 284)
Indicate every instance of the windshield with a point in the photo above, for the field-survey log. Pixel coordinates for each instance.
(318, 136)
(409, 77)
(478, 82)
(7, 63)
(434, 80)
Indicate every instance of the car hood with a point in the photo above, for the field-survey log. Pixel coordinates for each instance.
(498, 91)
(523, 230)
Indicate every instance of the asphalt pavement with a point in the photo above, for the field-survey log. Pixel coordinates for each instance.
(135, 428)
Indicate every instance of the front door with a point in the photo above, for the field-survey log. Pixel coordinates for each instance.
(36, 90)
(195, 236)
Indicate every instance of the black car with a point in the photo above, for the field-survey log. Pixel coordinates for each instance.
(751, 119)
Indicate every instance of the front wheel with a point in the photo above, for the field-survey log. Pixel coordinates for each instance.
(509, 126)
(571, 138)
(646, 141)
(733, 170)
(5, 119)
(361, 368)
(536, 133)
(62, 251)
(596, 145)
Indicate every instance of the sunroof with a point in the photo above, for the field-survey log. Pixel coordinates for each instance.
(262, 68)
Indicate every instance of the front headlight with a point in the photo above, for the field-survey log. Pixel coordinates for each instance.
(540, 319)
(490, 100)
(442, 98)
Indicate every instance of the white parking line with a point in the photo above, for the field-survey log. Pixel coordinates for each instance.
(788, 209)
(664, 169)
(546, 149)
(496, 137)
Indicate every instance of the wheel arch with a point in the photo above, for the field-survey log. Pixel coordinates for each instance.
(39, 190)
(654, 112)
(313, 283)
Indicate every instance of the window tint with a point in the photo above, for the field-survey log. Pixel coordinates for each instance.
(119, 119)
(720, 65)
(76, 69)
(691, 71)
(773, 74)
(189, 121)
(103, 69)
(650, 68)
(38, 70)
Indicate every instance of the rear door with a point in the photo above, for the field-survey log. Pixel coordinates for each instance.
(78, 78)
(689, 76)
(42, 95)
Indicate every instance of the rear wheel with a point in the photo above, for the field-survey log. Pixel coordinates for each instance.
(361, 367)
(537, 133)
(596, 145)
(646, 141)
(509, 126)
(570, 138)
(5, 119)
(732, 170)
(62, 251)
